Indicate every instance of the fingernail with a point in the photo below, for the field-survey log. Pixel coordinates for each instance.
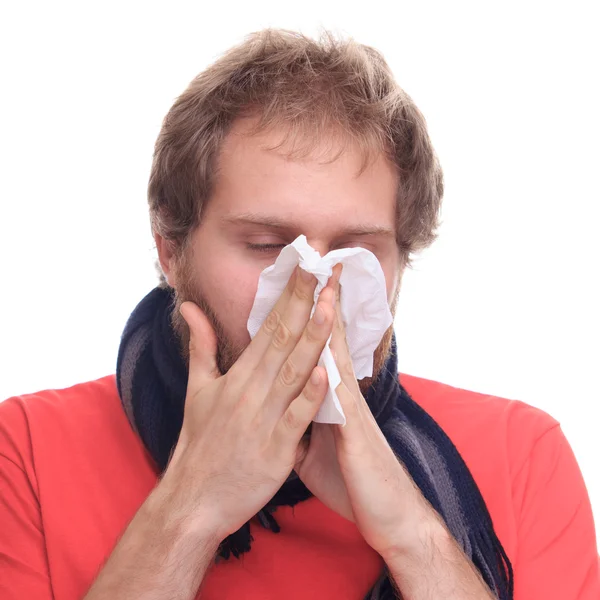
(306, 276)
(315, 377)
(319, 315)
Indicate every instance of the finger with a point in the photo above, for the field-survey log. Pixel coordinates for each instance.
(203, 346)
(301, 452)
(333, 282)
(299, 414)
(286, 333)
(351, 407)
(298, 286)
(340, 348)
(361, 431)
(281, 385)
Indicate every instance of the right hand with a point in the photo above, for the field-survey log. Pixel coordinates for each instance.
(241, 433)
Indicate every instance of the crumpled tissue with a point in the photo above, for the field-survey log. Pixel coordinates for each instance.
(363, 301)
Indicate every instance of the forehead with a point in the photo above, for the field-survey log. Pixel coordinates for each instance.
(254, 175)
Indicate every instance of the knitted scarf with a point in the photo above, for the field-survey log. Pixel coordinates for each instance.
(152, 381)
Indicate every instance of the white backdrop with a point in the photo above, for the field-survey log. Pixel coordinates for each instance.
(506, 302)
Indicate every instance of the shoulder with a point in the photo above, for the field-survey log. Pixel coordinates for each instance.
(526, 472)
(498, 438)
(477, 423)
(83, 400)
(58, 416)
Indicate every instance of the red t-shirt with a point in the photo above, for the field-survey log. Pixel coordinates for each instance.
(73, 474)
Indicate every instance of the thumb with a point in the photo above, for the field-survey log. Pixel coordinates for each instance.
(301, 454)
(203, 346)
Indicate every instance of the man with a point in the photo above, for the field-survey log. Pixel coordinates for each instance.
(196, 472)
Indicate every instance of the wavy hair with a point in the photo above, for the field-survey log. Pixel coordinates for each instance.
(312, 90)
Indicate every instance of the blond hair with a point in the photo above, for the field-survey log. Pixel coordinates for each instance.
(313, 90)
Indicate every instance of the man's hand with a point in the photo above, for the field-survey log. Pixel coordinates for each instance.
(239, 442)
(241, 431)
(353, 470)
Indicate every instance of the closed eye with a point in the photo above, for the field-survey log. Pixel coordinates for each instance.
(265, 247)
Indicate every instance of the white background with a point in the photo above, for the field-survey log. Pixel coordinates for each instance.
(506, 302)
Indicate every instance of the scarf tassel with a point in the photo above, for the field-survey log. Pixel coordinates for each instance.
(240, 541)
(152, 381)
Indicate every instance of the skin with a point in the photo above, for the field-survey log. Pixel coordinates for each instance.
(262, 198)
(261, 395)
(262, 406)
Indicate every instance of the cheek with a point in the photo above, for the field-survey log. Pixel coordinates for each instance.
(229, 285)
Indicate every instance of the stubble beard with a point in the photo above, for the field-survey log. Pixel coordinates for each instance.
(188, 289)
(228, 352)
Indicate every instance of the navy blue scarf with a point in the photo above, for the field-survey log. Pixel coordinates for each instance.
(152, 382)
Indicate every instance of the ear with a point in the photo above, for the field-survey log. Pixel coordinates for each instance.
(165, 257)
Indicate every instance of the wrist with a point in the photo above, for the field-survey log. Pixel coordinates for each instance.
(174, 507)
(415, 540)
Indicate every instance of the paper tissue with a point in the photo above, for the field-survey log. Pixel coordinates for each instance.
(364, 306)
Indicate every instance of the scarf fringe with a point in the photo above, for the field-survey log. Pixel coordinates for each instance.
(152, 381)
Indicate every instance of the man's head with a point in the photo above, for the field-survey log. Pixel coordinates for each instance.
(284, 136)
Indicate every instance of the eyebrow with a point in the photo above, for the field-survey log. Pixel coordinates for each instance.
(274, 223)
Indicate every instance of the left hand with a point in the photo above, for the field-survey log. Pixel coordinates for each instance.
(353, 470)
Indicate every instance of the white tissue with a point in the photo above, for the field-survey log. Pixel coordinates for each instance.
(364, 306)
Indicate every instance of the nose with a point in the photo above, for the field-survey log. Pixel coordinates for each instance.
(320, 245)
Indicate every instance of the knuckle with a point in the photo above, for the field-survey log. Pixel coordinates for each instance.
(347, 368)
(282, 336)
(272, 322)
(289, 374)
(311, 335)
(290, 419)
(316, 334)
(303, 292)
(310, 395)
(351, 406)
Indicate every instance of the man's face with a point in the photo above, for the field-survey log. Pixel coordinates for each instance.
(263, 201)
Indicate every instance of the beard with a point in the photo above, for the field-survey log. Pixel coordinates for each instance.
(228, 352)
(187, 289)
